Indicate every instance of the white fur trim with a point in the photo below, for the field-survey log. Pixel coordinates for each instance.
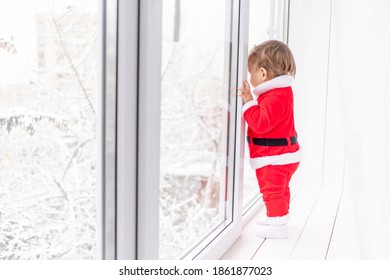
(249, 104)
(277, 82)
(274, 221)
(277, 232)
(282, 159)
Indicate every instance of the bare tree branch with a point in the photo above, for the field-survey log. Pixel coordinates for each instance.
(71, 62)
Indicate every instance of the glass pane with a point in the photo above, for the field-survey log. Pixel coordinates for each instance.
(266, 21)
(194, 126)
(48, 153)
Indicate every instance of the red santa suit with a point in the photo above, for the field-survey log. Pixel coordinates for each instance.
(273, 146)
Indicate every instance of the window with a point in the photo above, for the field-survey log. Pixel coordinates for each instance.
(48, 123)
(194, 123)
(126, 146)
(267, 20)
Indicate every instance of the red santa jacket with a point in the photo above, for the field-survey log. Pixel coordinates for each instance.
(271, 117)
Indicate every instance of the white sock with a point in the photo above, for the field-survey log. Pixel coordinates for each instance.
(274, 221)
(273, 232)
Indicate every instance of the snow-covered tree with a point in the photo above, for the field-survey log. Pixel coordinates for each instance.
(48, 143)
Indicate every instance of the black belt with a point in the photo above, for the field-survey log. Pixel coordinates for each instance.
(272, 141)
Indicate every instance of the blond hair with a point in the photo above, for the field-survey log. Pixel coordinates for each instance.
(274, 56)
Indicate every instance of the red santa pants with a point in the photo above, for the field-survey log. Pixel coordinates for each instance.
(274, 185)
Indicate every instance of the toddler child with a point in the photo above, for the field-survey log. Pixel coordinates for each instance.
(274, 150)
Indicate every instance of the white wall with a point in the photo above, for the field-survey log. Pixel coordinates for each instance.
(354, 97)
(360, 63)
(308, 40)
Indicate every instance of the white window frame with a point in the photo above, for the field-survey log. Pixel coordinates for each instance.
(127, 124)
(139, 62)
(106, 204)
(128, 201)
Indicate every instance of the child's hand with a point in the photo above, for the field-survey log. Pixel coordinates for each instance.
(245, 92)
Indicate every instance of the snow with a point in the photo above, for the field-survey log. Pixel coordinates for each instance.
(48, 179)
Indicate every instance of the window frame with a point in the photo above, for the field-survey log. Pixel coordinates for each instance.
(128, 200)
(106, 199)
(127, 124)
